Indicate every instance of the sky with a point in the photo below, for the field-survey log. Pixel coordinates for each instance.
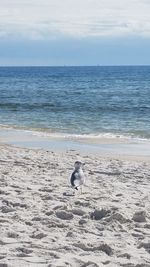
(74, 32)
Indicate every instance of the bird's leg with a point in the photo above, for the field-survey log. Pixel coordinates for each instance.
(80, 191)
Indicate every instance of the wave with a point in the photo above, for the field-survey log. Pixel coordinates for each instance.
(55, 134)
(82, 106)
(25, 106)
(88, 137)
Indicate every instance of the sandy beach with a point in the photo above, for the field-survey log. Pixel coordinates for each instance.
(44, 224)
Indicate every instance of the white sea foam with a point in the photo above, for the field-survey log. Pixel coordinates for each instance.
(90, 136)
(48, 133)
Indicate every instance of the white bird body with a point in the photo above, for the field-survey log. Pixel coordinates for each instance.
(80, 178)
(77, 178)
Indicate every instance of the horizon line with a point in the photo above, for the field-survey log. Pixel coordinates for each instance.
(69, 66)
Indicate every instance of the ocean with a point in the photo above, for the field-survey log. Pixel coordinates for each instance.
(90, 101)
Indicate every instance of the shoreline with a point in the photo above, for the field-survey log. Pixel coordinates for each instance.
(119, 148)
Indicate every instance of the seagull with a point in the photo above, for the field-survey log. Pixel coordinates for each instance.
(77, 178)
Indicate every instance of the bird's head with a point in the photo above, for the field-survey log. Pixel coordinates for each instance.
(78, 165)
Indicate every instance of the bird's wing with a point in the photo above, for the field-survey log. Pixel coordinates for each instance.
(77, 175)
(77, 178)
(80, 178)
(74, 177)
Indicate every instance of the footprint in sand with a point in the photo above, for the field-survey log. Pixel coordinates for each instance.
(78, 212)
(12, 235)
(85, 264)
(63, 215)
(102, 247)
(146, 246)
(147, 226)
(38, 235)
(117, 217)
(49, 213)
(24, 252)
(125, 255)
(99, 214)
(45, 189)
(6, 209)
(82, 203)
(89, 264)
(82, 221)
(4, 193)
(70, 234)
(3, 265)
(139, 216)
(47, 197)
(21, 205)
(2, 256)
(143, 265)
(127, 265)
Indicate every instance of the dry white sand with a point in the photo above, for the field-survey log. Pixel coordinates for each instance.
(43, 224)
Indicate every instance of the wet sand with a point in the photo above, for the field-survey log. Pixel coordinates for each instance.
(114, 147)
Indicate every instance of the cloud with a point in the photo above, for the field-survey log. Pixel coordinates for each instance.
(49, 19)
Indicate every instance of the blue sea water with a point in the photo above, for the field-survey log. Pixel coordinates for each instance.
(77, 100)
